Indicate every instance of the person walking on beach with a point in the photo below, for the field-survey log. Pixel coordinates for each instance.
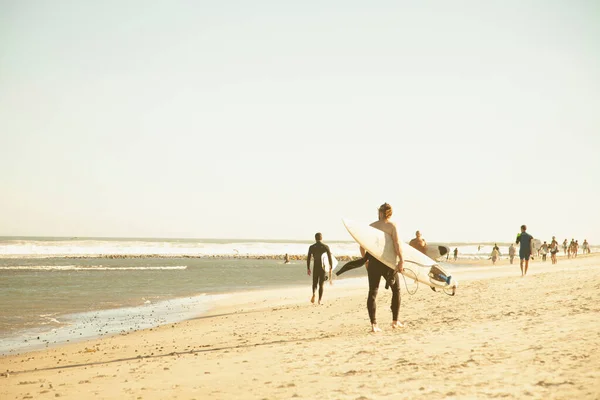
(525, 240)
(495, 255)
(455, 253)
(544, 250)
(316, 251)
(512, 250)
(376, 269)
(418, 242)
(553, 250)
(571, 250)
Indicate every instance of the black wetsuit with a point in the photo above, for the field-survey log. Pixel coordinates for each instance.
(316, 251)
(375, 271)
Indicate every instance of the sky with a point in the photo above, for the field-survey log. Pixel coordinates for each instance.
(276, 119)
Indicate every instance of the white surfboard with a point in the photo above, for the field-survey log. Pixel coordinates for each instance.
(437, 251)
(325, 262)
(417, 266)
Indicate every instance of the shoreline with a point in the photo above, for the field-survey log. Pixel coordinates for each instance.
(470, 258)
(501, 335)
(65, 331)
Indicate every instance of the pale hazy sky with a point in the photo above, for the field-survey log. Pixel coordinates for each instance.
(275, 119)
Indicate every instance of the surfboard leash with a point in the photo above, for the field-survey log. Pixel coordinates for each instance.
(417, 282)
(406, 283)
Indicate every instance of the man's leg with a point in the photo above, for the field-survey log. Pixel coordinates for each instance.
(521, 266)
(314, 285)
(396, 302)
(352, 265)
(526, 265)
(374, 274)
(321, 283)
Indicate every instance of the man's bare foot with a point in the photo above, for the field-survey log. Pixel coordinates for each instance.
(312, 299)
(375, 328)
(397, 324)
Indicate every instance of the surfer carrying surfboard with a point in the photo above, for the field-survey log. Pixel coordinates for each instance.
(419, 243)
(376, 269)
(316, 251)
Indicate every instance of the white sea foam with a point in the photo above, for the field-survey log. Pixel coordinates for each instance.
(85, 268)
(91, 248)
(42, 249)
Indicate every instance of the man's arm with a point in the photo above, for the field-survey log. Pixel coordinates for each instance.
(308, 260)
(397, 248)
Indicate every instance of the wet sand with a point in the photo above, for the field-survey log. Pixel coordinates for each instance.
(502, 336)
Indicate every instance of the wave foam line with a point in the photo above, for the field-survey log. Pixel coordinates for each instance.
(90, 268)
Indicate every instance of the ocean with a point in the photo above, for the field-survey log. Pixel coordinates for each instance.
(54, 290)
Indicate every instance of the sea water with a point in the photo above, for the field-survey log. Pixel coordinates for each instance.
(54, 290)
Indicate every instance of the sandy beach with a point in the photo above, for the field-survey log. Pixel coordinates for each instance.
(501, 336)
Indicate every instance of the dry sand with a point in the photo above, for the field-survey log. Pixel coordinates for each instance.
(502, 336)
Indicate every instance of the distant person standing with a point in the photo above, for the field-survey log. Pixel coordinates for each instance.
(316, 251)
(553, 249)
(576, 247)
(455, 253)
(418, 242)
(286, 259)
(495, 255)
(512, 250)
(565, 246)
(586, 247)
(525, 240)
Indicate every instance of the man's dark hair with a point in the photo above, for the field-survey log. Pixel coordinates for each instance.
(318, 236)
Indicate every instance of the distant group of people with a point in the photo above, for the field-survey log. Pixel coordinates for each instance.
(572, 249)
(553, 248)
(569, 249)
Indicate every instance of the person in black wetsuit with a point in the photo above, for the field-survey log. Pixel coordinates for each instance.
(376, 269)
(316, 251)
